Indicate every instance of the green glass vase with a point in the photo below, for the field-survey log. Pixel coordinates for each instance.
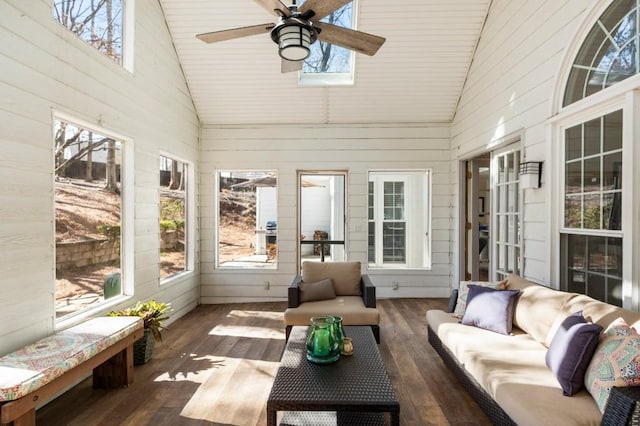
(338, 330)
(322, 345)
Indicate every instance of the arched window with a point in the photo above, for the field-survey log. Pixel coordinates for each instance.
(609, 54)
(597, 159)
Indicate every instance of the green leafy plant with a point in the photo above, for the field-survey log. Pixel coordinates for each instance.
(153, 314)
(111, 231)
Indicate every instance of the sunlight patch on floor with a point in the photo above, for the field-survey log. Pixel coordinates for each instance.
(247, 331)
(252, 378)
(276, 316)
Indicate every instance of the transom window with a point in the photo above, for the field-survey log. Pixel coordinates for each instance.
(609, 54)
(398, 219)
(329, 64)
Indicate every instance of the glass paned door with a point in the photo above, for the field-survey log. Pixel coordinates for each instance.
(506, 239)
(322, 215)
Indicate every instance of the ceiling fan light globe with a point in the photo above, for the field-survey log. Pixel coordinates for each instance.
(293, 42)
(293, 53)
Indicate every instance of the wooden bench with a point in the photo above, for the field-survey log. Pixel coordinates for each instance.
(40, 371)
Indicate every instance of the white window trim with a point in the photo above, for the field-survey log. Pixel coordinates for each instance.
(128, 31)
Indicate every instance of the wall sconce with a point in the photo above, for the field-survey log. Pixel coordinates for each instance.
(530, 174)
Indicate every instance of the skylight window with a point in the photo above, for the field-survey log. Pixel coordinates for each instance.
(329, 64)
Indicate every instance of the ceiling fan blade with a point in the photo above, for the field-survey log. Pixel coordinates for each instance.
(321, 8)
(350, 39)
(272, 5)
(291, 66)
(223, 35)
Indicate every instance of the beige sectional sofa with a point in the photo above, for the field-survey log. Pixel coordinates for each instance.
(507, 374)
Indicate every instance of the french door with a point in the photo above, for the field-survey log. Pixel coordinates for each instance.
(506, 235)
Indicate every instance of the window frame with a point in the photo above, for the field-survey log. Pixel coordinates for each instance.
(415, 223)
(127, 220)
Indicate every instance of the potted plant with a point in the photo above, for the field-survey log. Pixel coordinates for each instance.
(153, 315)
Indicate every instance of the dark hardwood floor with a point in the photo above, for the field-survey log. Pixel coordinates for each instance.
(216, 366)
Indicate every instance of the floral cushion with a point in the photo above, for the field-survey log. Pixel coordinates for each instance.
(616, 362)
(463, 293)
(39, 363)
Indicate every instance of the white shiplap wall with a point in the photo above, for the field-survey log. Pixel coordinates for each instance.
(356, 148)
(510, 90)
(45, 68)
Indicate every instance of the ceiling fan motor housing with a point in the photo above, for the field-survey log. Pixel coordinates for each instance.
(294, 35)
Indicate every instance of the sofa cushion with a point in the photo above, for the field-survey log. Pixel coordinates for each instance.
(345, 275)
(322, 290)
(463, 293)
(616, 362)
(490, 309)
(350, 308)
(600, 312)
(571, 350)
(537, 307)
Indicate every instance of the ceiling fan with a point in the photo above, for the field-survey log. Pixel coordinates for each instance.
(299, 27)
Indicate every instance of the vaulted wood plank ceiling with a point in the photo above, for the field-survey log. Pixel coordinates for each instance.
(416, 77)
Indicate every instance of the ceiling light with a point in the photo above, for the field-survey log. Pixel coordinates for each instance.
(293, 36)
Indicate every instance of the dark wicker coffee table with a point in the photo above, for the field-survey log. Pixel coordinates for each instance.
(354, 390)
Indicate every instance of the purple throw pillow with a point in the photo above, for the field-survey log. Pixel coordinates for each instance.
(490, 309)
(571, 350)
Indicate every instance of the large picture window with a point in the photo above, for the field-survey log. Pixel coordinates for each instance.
(88, 216)
(398, 219)
(247, 219)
